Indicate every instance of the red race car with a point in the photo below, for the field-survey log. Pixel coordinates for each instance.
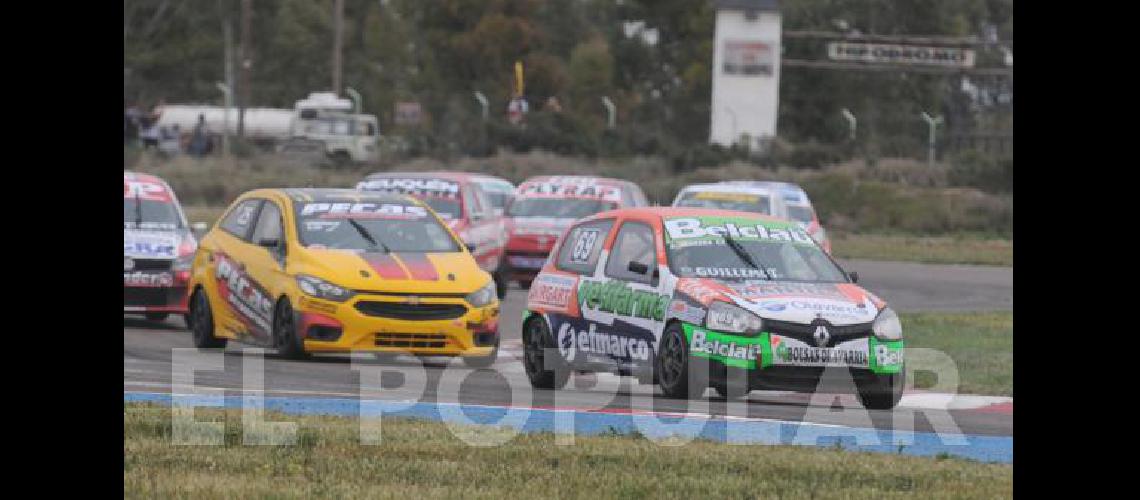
(158, 248)
(544, 206)
(461, 200)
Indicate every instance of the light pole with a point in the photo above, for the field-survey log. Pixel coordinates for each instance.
(851, 123)
(611, 112)
(482, 102)
(356, 98)
(933, 124)
(226, 117)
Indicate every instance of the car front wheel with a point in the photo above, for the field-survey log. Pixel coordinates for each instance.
(677, 375)
(538, 343)
(285, 331)
(883, 392)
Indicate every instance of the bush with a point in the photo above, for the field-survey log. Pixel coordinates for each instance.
(975, 169)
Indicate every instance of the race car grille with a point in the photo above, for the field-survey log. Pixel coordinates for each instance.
(414, 312)
(145, 296)
(152, 265)
(803, 332)
(429, 340)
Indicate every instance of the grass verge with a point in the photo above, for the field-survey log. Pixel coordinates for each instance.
(965, 249)
(419, 459)
(981, 344)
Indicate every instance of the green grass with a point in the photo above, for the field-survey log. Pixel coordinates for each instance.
(418, 459)
(963, 249)
(981, 345)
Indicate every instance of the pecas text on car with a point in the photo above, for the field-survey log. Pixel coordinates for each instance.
(544, 206)
(338, 270)
(463, 203)
(691, 298)
(157, 248)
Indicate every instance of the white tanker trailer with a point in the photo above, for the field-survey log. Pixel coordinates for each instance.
(321, 121)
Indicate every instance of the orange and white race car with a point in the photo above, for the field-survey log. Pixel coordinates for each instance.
(691, 298)
(543, 207)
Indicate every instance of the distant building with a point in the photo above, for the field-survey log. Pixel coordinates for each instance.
(746, 72)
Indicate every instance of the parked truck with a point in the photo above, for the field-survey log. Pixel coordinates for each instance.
(322, 124)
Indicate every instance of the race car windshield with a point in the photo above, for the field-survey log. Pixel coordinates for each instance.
(447, 208)
(557, 207)
(401, 229)
(726, 201)
(154, 214)
(783, 261)
(498, 193)
(800, 214)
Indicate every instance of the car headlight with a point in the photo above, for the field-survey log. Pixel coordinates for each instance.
(483, 296)
(887, 325)
(322, 289)
(726, 317)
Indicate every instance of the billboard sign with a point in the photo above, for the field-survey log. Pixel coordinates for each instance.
(901, 54)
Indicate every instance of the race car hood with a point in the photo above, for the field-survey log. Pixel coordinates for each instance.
(151, 244)
(838, 303)
(397, 272)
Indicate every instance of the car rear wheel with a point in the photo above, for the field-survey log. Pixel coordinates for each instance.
(883, 392)
(285, 337)
(537, 343)
(202, 323)
(677, 373)
(157, 317)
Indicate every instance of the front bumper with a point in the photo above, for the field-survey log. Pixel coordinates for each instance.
(526, 254)
(153, 299)
(361, 325)
(782, 362)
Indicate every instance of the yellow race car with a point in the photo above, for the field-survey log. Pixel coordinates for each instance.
(339, 270)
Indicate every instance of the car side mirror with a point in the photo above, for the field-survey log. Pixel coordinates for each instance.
(270, 243)
(471, 247)
(637, 267)
(854, 276)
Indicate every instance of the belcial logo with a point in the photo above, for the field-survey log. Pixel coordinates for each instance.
(821, 336)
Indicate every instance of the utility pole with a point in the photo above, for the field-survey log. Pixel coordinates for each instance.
(338, 32)
(851, 123)
(245, 55)
(227, 87)
(933, 124)
(611, 112)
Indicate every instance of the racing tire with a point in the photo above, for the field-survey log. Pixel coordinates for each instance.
(501, 280)
(884, 392)
(735, 384)
(202, 323)
(537, 342)
(285, 331)
(157, 317)
(482, 361)
(680, 376)
(525, 284)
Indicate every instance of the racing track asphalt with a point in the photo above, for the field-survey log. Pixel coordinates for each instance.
(147, 363)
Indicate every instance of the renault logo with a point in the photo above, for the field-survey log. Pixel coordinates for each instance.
(821, 336)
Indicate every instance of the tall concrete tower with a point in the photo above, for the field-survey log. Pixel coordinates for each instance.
(746, 72)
